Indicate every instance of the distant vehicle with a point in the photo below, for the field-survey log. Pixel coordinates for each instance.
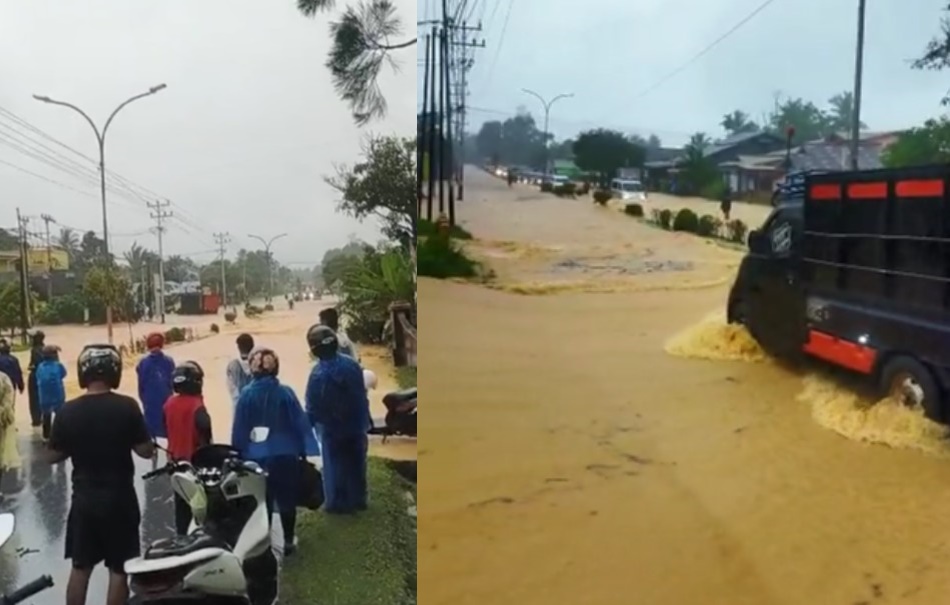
(628, 190)
(850, 268)
(557, 179)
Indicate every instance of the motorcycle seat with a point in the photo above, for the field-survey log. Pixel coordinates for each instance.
(403, 396)
(182, 545)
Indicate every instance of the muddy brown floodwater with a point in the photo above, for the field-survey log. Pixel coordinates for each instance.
(617, 443)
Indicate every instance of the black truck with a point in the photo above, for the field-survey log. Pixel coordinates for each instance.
(854, 268)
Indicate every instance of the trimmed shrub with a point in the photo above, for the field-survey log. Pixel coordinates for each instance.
(666, 218)
(686, 220)
(68, 309)
(547, 187)
(635, 210)
(736, 231)
(268, 307)
(230, 317)
(174, 335)
(602, 196)
(215, 329)
(439, 257)
(584, 188)
(709, 226)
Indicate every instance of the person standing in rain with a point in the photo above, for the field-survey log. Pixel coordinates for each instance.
(238, 371)
(10, 365)
(155, 383)
(36, 356)
(99, 431)
(9, 456)
(330, 317)
(271, 428)
(338, 404)
(50, 374)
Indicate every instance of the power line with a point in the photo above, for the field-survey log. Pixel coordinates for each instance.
(669, 76)
(501, 41)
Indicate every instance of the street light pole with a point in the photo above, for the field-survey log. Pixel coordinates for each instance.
(270, 272)
(858, 74)
(101, 140)
(547, 114)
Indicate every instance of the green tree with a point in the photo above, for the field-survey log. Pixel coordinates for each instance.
(841, 113)
(105, 285)
(9, 307)
(927, 144)
(696, 169)
(180, 269)
(361, 46)
(516, 142)
(68, 240)
(604, 151)
(489, 140)
(738, 122)
(654, 142)
(369, 285)
(336, 261)
(805, 117)
(937, 52)
(382, 185)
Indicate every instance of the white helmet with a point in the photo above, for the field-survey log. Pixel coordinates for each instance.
(370, 380)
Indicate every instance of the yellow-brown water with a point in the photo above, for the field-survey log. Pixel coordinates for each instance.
(569, 458)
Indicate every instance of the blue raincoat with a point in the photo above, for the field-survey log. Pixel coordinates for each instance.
(49, 385)
(270, 408)
(338, 404)
(155, 387)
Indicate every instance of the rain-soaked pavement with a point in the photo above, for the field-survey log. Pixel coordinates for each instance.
(39, 497)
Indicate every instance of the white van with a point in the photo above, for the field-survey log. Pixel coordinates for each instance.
(628, 189)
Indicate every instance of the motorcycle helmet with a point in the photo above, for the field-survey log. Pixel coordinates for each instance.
(323, 341)
(263, 362)
(99, 363)
(188, 378)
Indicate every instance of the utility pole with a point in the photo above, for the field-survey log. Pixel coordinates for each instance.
(22, 223)
(49, 258)
(464, 65)
(547, 114)
(858, 75)
(222, 240)
(160, 214)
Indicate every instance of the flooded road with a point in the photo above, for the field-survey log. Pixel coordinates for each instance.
(615, 444)
(39, 494)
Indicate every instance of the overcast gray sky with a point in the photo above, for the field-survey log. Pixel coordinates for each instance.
(608, 51)
(239, 141)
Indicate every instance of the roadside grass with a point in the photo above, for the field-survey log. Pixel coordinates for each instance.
(407, 376)
(366, 559)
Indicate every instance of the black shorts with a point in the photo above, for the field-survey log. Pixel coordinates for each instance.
(99, 536)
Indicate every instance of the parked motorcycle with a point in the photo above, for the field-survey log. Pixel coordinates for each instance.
(401, 414)
(7, 527)
(227, 553)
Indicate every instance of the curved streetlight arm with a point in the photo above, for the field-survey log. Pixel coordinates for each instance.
(567, 95)
(148, 93)
(267, 243)
(74, 108)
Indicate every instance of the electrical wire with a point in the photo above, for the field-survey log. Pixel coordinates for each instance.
(708, 48)
(501, 41)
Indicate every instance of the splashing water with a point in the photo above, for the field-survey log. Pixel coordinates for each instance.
(833, 405)
(714, 339)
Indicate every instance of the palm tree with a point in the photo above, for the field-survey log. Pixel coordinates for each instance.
(68, 240)
(361, 45)
(841, 114)
(137, 257)
(738, 122)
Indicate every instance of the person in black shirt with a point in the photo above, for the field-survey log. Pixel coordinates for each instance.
(99, 430)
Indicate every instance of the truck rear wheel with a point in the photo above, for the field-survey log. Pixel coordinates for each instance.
(911, 383)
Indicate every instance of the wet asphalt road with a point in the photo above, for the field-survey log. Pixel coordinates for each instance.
(39, 496)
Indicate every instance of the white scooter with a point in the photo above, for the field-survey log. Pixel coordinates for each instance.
(226, 558)
(7, 527)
